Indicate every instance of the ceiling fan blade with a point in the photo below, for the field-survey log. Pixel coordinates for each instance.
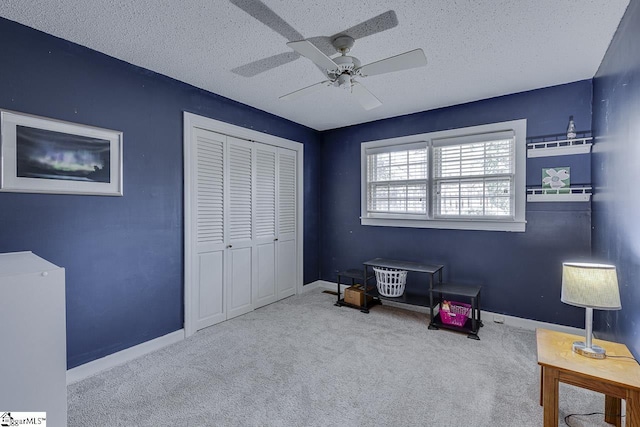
(261, 65)
(305, 90)
(364, 97)
(324, 44)
(268, 17)
(384, 21)
(308, 50)
(404, 61)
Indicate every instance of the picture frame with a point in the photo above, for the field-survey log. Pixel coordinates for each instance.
(556, 180)
(42, 155)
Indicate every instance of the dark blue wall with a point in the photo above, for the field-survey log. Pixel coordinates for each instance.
(123, 255)
(521, 272)
(616, 175)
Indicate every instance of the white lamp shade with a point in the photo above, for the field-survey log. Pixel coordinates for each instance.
(590, 285)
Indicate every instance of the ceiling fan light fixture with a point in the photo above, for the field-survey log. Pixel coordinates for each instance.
(344, 81)
(342, 69)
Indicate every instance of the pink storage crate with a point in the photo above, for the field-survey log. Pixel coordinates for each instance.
(456, 314)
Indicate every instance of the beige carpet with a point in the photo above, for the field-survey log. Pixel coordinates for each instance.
(304, 362)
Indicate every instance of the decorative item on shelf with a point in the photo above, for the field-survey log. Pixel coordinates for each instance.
(390, 281)
(590, 286)
(556, 179)
(571, 129)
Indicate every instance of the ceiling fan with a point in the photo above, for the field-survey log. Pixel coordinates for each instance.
(343, 70)
(260, 11)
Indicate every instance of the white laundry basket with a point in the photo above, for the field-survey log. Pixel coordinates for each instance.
(390, 281)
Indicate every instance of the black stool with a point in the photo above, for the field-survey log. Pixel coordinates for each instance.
(353, 274)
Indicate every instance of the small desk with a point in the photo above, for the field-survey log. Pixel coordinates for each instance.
(615, 377)
(420, 296)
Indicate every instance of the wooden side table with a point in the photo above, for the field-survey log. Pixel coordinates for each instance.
(617, 378)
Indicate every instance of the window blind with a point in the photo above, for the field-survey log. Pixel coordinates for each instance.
(475, 179)
(397, 179)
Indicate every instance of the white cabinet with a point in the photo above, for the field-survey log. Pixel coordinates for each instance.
(33, 364)
(243, 226)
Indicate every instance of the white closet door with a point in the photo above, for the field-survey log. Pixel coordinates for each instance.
(208, 228)
(265, 225)
(241, 213)
(286, 256)
(239, 226)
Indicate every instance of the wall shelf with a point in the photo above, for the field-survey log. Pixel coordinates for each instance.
(571, 194)
(559, 145)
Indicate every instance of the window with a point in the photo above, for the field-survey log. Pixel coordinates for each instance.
(471, 178)
(474, 178)
(397, 179)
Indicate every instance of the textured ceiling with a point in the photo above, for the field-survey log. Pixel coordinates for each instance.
(475, 49)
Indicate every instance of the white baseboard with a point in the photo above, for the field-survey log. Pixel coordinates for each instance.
(487, 316)
(311, 286)
(519, 322)
(91, 368)
(330, 285)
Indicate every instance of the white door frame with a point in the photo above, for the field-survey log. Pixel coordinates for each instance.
(192, 121)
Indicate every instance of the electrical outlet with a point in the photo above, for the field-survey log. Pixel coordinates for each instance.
(498, 319)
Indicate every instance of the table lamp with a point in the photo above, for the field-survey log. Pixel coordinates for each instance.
(590, 286)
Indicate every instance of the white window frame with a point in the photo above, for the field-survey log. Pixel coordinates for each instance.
(401, 148)
(515, 223)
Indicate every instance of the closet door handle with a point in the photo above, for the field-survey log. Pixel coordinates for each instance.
(229, 246)
(275, 240)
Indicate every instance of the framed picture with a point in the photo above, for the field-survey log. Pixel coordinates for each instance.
(556, 180)
(41, 155)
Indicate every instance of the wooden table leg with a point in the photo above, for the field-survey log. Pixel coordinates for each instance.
(613, 410)
(550, 397)
(541, 382)
(633, 408)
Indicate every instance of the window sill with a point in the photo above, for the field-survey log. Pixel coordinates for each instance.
(515, 226)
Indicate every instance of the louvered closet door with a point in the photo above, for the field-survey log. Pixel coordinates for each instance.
(207, 213)
(265, 225)
(286, 253)
(239, 226)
